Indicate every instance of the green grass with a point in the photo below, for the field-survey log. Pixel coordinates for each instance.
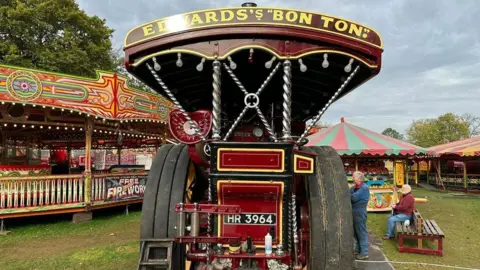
(110, 240)
(457, 216)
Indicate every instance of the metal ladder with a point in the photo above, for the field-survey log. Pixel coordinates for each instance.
(147, 245)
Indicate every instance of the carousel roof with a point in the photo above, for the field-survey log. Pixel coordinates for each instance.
(466, 147)
(46, 106)
(349, 139)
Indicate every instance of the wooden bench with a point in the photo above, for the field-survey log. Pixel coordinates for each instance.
(420, 229)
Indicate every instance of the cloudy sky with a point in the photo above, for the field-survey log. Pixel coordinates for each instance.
(431, 63)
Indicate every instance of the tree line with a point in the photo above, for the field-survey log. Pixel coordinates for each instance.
(446, 128)
(57, 36)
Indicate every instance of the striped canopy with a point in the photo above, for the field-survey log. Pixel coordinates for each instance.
(349, 139)
(467, 147)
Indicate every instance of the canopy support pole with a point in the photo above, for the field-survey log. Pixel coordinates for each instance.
(88, 159)
(407, 171)
(439, 173)
(69, 154)
(465, 178)
(3, 154)
(417, 173)
(28, 149)
(287, 101)
(217, 100)
(356, 164)
(119, 149)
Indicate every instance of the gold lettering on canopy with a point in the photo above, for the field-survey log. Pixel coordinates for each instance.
(252, 16)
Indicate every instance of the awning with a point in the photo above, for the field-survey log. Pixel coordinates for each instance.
(349, 139)
(466, 147)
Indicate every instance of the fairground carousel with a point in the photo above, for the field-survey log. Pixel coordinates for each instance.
(71, 145)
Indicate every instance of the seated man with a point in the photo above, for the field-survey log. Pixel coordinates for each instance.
(401, 212)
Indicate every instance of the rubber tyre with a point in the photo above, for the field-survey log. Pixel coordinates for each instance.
(166, 185)
(330, 211)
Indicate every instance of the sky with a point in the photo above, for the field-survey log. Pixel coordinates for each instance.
(431, 62)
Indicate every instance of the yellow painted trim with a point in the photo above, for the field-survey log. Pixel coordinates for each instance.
(256, 23)
(223, 57)
(296, 170)
(279, 224)
(250, 150)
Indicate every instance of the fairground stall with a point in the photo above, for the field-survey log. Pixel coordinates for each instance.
(370, 152)
(420, 172)
(458, 165)
(71, 144)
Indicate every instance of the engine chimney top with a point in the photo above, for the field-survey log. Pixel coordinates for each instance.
(249, 4)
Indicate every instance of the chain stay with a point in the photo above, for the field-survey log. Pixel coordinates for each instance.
(252, 101)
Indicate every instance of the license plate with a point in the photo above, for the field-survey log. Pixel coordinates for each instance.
(251, 218)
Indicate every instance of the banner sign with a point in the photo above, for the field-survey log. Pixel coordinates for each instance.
(252, 16)
(399, 173)
(124, 187)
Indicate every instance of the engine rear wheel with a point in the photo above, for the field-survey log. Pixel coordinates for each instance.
(329, 242)
(171, 180)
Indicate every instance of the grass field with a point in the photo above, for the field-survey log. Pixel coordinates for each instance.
(110, 240)
(457, 216)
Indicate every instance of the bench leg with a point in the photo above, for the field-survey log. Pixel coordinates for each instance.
(400, 242)
(420, 242)
(440, 246)
(419, 249)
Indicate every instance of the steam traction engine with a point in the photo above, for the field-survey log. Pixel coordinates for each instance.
(244, 81)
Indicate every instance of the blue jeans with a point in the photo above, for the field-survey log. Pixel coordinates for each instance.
(361, 233)
(391, 223)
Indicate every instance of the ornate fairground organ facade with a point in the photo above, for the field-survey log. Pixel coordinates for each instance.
(241, 183)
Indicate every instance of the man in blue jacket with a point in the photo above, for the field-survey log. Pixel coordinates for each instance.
(360, 194)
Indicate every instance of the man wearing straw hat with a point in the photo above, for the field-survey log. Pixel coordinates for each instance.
(360, 194)
(402, 211)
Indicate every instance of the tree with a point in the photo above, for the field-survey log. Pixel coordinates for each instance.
(390, 132)
(120, 69)
(473, 123)
(54, 35)
(446, 128)
(322, 125)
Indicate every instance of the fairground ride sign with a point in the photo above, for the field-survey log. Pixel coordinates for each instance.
(252, 16)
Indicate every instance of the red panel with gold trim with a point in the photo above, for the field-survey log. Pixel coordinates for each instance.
(261, 203)
(303, 163)
(250, 160)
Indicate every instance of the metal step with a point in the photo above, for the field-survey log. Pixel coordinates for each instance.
(147, 245)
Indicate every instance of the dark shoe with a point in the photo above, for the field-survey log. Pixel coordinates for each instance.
(361, 257)
(386, 237)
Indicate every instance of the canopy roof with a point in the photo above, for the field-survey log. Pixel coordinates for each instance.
(349, 139)
(466, 147)
(175, 57)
